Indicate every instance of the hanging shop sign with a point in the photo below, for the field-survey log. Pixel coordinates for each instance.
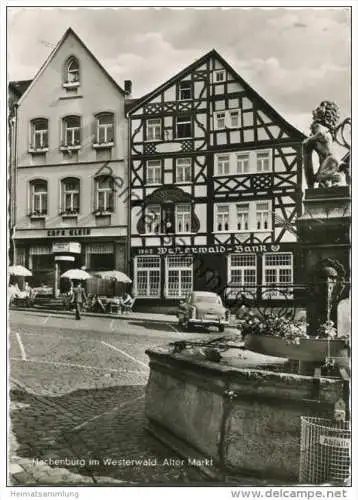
(66, 247)
(211, 249)
(71, 231)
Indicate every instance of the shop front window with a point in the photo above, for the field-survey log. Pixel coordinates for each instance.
(147, 277)
(242, 276)
(179, 276)
(278, 275)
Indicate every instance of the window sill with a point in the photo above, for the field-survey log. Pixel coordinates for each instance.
(104, 145)
(38, 150)
(70, 148)
(70, 85)
(102, 214)
(40, 216)
(184, 182)
(243, 231)
(69, 216)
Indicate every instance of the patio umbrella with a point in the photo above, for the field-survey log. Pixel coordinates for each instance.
(114, 275)
(76, 274)
(19, 271)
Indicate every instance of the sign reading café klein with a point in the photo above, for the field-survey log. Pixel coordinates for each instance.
(71, 231)
(213, 249)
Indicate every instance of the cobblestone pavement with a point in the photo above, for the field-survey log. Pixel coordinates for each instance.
(77, 392)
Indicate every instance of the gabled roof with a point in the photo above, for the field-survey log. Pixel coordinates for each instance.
(243, 83)
(68, 32)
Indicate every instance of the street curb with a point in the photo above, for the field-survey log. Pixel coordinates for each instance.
(102, 315)
(95, 315)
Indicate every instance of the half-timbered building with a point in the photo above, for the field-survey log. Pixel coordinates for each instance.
(215, 188)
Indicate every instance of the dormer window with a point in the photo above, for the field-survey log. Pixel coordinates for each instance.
(39, 135)
(71, 137)
(72, 73)
(104, 130)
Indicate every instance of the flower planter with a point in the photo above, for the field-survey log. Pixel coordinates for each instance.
(307, 350)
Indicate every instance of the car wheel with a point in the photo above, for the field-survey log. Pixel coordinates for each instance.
(221, 328)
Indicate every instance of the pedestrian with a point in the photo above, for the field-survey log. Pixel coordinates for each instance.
(79, 297)
(126, 302)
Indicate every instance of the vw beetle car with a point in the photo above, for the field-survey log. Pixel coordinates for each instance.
(203, 309)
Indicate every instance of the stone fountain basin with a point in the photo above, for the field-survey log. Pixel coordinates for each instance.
(242, 414)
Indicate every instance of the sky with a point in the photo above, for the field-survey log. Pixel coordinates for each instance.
(293, 57)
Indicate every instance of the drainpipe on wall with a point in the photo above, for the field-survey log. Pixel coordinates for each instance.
(129, 215)
(13, 178)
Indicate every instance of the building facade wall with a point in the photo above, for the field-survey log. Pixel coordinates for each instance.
(96, 221)
(241, 192)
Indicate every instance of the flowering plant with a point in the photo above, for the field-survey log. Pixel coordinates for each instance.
(273, 325)
(326, 330)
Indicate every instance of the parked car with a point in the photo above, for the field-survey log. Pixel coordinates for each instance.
(203, 309)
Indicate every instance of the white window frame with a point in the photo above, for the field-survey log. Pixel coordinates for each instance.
(184, 167)
(180, 263)
(242, 163)
(107, 196)
(223, 119)
(221, 164)
(154, 172)
(220, 217)
(251, 167)
(154, 129)
(153, 219)
(147, 269)
(243, 217)
(181, 90)
(72, 193)
(260, 215)
(183, 216)
(217, 73)
(220, 120)
(40, 195)
(267, 285)
(229, 118)
(260, 170)
(250, 265)
(42, 133)
(73, 71)
(234, 212)
(72, 130)
(108, 128)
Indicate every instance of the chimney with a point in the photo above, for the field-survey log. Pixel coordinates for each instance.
(128, 88)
